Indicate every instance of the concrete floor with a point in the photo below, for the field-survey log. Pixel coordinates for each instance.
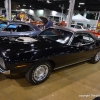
(78, 82)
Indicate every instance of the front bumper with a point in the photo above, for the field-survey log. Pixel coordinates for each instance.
(4, 71)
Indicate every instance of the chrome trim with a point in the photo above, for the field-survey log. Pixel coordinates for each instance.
(4, 71)
(97, 57)
(2, 63)
(70, 64)
(40, 73)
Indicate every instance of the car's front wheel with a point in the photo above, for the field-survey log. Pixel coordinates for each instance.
(39, 73)
(96, 58)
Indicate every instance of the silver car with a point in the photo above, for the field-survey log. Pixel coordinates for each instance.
(17, 28)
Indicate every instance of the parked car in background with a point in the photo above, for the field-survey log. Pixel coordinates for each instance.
(95, 32)
(76, 26)
(93, 28)
(53, 48)
(17, 28)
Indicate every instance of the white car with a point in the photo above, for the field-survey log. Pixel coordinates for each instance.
(93, 28)
(77, 26)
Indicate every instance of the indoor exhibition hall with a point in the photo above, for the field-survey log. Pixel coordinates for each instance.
(49, 49)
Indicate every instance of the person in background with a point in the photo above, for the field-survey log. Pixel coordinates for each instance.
(49, 23)
(63, 23)
(18, 17)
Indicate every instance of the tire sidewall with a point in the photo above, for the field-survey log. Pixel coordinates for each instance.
(32, 70)
(93, 58)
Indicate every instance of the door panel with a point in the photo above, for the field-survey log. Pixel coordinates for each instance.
(77, 54)
(81, 48)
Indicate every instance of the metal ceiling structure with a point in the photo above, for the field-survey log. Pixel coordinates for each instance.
(90, 5)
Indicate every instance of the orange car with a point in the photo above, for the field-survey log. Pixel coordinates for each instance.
(95, 32)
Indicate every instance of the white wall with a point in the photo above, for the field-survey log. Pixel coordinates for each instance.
(29, 11)
(39, 13)
(47, 13)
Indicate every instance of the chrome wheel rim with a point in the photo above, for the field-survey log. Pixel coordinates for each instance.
(40, 73)
(97, 57)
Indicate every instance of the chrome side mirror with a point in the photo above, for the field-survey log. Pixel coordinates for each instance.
(79, 44)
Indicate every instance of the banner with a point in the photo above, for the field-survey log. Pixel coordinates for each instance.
(98, 23)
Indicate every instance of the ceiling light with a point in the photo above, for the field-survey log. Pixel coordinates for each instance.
(59, 5)
(22, 9)
(30, 6)
(82, 3)
(79, 6)
(48, 1)
(54, 13)
(24, 5)
(88, 11)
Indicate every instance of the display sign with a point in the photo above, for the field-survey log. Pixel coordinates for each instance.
(98, 25)
(22, 16)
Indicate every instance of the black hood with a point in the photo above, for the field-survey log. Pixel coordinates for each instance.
(12, 47)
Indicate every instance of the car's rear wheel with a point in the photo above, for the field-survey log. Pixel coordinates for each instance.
(96, 58)
(39, 73)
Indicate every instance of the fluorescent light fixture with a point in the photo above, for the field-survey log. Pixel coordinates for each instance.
(82, 3)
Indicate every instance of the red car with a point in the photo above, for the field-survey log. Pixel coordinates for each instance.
(95, 32)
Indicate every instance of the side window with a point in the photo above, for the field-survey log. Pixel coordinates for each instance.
(83, 38)
(11, 28)
(17, 28)
(24, 28)
(58, 35)
(87, 39)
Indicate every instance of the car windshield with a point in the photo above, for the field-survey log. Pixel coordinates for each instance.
(57, 35)
(2, 25)
(17, 28)
(10, 27)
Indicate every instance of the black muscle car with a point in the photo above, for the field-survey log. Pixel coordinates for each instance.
(53, 48)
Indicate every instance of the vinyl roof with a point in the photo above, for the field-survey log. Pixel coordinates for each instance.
(71, 29)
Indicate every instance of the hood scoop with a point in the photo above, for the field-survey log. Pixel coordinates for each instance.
(25, 39)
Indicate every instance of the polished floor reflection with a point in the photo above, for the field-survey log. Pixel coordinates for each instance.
(78, 82)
